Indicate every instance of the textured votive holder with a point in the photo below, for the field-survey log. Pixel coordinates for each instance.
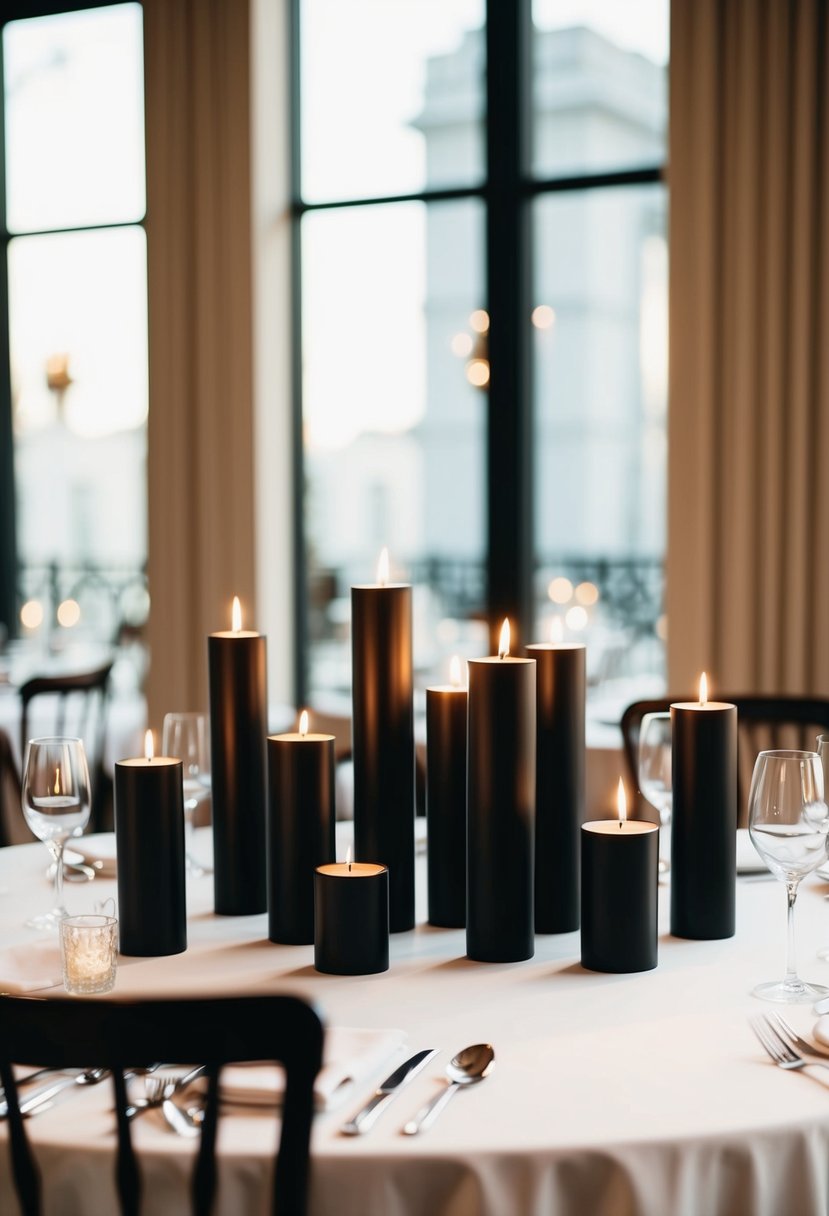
(88, 951)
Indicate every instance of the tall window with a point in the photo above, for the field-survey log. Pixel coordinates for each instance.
(483, 283)
(74, 400)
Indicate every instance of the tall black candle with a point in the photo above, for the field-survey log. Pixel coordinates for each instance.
(619, 897)
(704, 818)
(446, 710)
(301, 824)
(351, 912)
(149, 841)
(383, 736)
(238, 727)
(500, 807)
(561, 680)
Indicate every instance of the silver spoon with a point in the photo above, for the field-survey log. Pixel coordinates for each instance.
(466, 1068)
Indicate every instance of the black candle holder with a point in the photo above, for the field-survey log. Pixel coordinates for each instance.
(351, 913)
(619, 895)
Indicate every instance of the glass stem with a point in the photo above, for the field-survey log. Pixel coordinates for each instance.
(791, 962)
(59, 846)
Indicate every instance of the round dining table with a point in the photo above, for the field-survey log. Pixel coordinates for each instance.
(611, 1094)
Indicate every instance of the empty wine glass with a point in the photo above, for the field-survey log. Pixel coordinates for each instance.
(788, 822)
(55, 805)
(823, 752)
(187, 737)
(655, 778)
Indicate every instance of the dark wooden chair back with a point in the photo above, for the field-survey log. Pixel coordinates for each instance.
(12, 825)
(80, 703)
(119, 1035)
(763, 723)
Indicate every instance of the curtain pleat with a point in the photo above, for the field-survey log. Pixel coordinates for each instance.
(747, 587)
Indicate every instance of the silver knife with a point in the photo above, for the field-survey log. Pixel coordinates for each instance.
(366, 1118)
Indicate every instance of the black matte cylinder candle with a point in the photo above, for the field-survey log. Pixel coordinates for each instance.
(446, 710)
(351, 914)
(704, 819)
(619, 868)
(301, 824)
(383, 738)
(561, 679)
(500, 809)
(149, 841)
(238, 727)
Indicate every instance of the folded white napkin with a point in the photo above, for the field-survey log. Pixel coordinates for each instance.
(30, 967)
(97, 847)
(749, 860)
(350, 1056)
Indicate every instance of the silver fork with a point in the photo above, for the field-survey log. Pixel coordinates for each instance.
(783, 1054)
(160, 1090)
(791, 1036)
(42, 1096)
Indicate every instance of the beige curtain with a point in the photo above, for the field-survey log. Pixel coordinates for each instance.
(748, 529)
(200, 463)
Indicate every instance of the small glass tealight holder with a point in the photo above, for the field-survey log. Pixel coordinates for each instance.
(89, 951)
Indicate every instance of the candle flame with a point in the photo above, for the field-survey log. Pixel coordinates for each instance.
(556, 629)
(57, 780)
(703, 689)
(383, 568)
(455, 671)
(348, 857)
(149, 750)
(503, 644)
(303, 723)
(236, 615)
(621, 802)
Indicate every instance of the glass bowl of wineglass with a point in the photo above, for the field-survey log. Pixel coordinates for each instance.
(187, 737)
(655, 776)
(55, 805)
(788, 821)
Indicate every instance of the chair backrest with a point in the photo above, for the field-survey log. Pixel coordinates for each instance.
(120, 1035)
(763, 722)
(13, 829)
(79, 702)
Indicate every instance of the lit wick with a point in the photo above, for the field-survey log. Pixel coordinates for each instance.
(236, 615)
(703, 689)
(348, 858)
(621, 803)
(149, 749)
(503, 644)
(383, 568)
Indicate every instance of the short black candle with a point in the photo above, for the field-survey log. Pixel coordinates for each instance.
(446, 709)
(149, 842)
(619, 868)
(301, 826)
(383, 738)
(500, 809)
(351, 911)
(561, 683)
(704, 819)
(238, 727)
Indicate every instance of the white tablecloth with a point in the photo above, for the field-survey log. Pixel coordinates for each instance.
(611, 1095)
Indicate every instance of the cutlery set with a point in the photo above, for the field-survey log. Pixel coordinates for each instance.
(785, 1047)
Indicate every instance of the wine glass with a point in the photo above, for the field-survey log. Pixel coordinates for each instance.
(187, 737)
(55, 805)
(788, 822)
(655, 777)
(823, 752)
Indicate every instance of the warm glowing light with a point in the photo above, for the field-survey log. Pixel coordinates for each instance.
(57, 780)
(303, 723)
(662, 627)
(236, 615)
(543, 317)
(31, 614)
(348, 857)
(383, 568)
(477, 372)
(149, 748)
(69, 613)
(621, 802)
(560, 590)
(703, 689)
(576, 618)
(556, 630)
(479, 320)
(455, 671)
(587, 594)
(462, 345)
(503, 642)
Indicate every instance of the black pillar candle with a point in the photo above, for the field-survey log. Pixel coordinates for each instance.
(500, 807)
(301, 824)
(351, 918)
(619, 869)
(561, 680)
(383, 737)
(704, 819)
(149, 841)
(446, 710)
(238, 727)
